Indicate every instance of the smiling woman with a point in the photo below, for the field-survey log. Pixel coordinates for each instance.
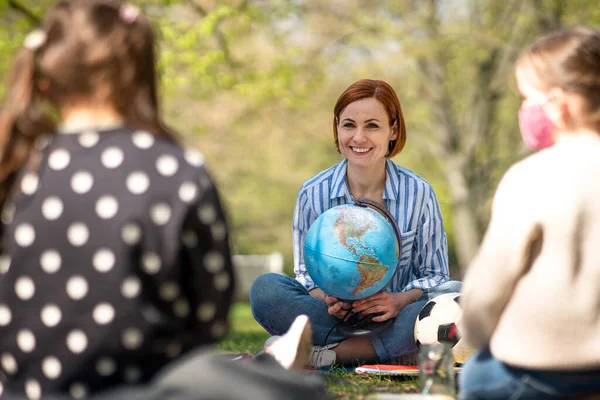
(368, 129)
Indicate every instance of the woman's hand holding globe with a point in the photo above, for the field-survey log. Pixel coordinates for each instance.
(390, 304)
(336, 307)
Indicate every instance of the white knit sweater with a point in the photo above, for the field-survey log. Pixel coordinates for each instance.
(533, 291)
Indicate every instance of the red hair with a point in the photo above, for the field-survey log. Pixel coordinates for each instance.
(383, 92)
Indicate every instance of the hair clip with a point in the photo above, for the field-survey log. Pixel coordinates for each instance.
(129, 13)
(35, 39)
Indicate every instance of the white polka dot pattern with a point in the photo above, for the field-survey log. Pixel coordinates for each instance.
(51, 315)
(5, 315)
(9, 363)
(138, 182)
(89, 139)
(52, 208)
(181, 308)
(4, 264)
(24, 288)
(78, 234)
(77, 341)
(107, 207)
(59, 159)
(51, 367)
(33, 390)
(132, 338)
(112, 157)
(188, 192)
(82, 182)
(29, 183)
(218, 329)
(207, 214)
(26, 340)
(189, 239)
(131, 287)
(194, 157)
(104, 260)
(131, 234)
(24, 235)
(173, 350)
(169, 291)
(160, 213)
(206, 312)
(118, 231)
(221, 281)
(151, 263)
(167, 165)
(8, 214)
(103, 313)
(214, 262)
(50, 261)
(77, 287)
(78, 391)
(143, 140)
(106, 366)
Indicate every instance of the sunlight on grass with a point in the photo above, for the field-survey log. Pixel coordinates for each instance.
(247, 336)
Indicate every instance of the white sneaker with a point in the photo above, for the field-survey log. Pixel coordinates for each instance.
(322, 356)
(270, 341)
(293, 349)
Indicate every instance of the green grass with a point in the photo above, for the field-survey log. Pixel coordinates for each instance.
(246, 336)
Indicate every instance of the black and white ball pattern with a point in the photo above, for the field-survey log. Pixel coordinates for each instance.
(440, 321)
(116, 260)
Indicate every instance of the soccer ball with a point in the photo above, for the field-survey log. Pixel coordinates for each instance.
(440, 321)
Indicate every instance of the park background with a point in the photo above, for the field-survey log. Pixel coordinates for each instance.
(252, 83)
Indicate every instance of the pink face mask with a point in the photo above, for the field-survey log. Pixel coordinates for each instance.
(535, 127)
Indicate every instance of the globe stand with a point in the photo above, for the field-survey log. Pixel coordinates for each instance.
(362, 325)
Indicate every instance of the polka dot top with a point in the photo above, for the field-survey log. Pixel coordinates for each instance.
(116, 261)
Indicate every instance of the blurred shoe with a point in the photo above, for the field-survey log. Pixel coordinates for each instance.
(293, 349)
(270, 341)
(322, 356)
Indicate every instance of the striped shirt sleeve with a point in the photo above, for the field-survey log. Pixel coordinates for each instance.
(430, 257)
(300, 224)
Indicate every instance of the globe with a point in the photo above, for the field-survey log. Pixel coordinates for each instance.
(351, 252)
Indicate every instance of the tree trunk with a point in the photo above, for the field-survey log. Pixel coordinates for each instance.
(464, 218)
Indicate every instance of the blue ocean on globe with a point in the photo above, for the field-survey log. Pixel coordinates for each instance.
(351, 252)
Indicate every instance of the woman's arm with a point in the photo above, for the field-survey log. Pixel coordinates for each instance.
(300, 225)
(430, 252)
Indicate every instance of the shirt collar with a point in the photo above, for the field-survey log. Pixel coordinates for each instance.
(339, 184)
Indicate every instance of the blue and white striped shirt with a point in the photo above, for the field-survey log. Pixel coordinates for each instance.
(411, 201)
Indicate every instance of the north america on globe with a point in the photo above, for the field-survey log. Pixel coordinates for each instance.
(350, 233)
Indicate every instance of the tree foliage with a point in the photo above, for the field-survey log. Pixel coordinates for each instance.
(253, 84)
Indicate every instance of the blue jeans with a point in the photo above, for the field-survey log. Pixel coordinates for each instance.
(485, 377)
(276, 300)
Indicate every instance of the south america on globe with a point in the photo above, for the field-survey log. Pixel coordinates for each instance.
(351, 252)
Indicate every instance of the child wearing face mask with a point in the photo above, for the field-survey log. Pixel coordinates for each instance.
(531, 299)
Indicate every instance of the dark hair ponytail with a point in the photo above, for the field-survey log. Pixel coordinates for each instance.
(22, 121)
(87, 49)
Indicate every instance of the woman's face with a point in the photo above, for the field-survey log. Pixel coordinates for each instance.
(364, 132)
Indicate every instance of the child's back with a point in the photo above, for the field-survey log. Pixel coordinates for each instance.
(115, 261)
